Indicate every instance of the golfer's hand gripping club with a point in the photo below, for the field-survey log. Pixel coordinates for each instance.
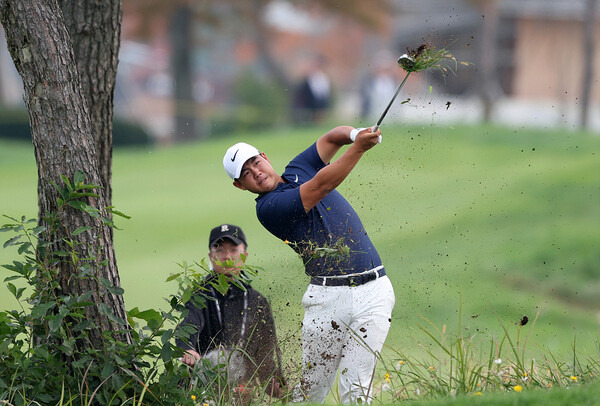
(355, 132)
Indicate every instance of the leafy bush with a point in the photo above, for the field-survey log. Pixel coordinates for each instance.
(126, 133)
(259, 104)
(46, 356)
(14, 125)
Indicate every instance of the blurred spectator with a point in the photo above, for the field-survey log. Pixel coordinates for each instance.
(312, 97)
(378, 86)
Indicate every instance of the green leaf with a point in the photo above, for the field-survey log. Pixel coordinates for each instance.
(117, 213)
(166, 353)
(166, 337)
(173, 276)
(24, 248)
(77, 205)
(146, 315)
(38, 230)
(69, 346)
(12, 241)
(67, 189)
(154, 324)
(83, 325)
(115, 290)
(12, 289)
(41, 309)
(81, 230)
(54, 322)
(107, 370)
(222, 284)
(107, 311)
(79, 176)
(186, 296)
(133, 312)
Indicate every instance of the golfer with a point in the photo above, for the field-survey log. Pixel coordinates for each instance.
(349, 301)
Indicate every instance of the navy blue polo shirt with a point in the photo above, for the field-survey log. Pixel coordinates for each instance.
(330, 238)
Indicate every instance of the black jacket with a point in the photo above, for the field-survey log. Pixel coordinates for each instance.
(241, 318)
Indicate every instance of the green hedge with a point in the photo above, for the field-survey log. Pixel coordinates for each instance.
(14, 124)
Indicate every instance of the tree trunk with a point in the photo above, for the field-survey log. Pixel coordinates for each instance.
(95, 30)
(262, 41)
(588, 60)
(181, 61)
(63, 140)
(489, 88)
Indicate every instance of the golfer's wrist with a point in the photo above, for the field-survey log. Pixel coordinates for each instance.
(354, 132)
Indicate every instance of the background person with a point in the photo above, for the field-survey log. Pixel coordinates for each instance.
(379, 86)
(312, 96)
(239, 319)
(349, 300)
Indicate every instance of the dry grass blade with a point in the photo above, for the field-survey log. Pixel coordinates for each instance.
(425, 57)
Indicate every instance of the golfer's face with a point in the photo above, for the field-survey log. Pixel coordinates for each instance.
(258, 176)
(226, 257)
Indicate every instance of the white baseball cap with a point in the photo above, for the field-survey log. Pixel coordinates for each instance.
(236, 156)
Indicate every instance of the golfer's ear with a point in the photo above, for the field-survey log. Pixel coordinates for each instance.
(238, 185)
(265, 157)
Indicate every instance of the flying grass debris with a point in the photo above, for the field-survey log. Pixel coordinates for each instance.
(424, 57)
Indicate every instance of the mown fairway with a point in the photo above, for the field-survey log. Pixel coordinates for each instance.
(507, 219)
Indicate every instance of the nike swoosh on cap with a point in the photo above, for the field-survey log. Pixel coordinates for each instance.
(233, 158)
(296, 179)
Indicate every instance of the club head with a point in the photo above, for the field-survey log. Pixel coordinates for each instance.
(406, 62)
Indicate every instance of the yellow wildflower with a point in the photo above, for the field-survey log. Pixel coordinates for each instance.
(518, 388)
(478, 394)
(549, 384)
(574, 378)
(193, 397)
(286, 242)
(431, 368)
(387, 377)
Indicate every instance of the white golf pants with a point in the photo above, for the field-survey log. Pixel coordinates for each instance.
(344, 329)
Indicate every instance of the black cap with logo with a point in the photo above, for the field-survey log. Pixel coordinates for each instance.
(229, 231)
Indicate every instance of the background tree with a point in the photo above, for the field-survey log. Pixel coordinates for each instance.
(589, 43)
(184, 16)
(65, 108)
(488, 86)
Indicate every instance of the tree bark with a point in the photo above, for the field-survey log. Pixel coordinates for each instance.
(95, 31)
(589, 45)
(63, 139)
(183, 75)
(489, 88)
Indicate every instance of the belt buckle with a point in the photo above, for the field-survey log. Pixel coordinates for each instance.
(353, 280)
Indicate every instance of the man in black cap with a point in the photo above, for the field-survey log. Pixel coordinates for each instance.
(238, 321)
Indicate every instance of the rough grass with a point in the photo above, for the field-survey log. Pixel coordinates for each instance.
(506, 218)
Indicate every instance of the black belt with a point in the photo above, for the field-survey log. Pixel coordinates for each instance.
(350, 280)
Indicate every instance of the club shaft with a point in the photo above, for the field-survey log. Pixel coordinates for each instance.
(390, 103)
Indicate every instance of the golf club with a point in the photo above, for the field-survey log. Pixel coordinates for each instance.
(407, 63)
